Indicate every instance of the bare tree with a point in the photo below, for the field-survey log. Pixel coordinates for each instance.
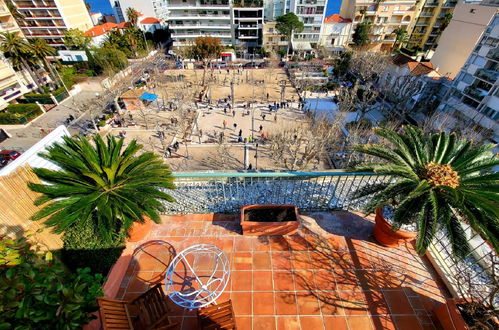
(368, 66)
(358, 98)
(295, 146)
(400, 93)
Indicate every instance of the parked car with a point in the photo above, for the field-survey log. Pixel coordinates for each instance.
(250, 65)
(3, 162)
(282, 64)
(263, 65)
(9, 154)
(219, 64)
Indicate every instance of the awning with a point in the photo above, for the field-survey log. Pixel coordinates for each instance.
(301, 45)
(148, 97)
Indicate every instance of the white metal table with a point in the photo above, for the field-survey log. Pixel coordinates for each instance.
(197, 276)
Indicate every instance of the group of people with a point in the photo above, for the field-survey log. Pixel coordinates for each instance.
(173, 148)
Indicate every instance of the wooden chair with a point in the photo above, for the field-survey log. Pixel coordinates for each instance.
(114, 314)
(217, 317)
(146, 312)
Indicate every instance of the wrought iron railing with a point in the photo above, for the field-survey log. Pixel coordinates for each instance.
(226, 192)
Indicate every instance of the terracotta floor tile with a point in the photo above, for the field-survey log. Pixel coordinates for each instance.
(304, 280)
(261, 261)
(264, 322)
(263, 303)
(281, 260)
(325, 280)
(397, 302)
(242, 261)
(376, 303)
(361, 322)
(354, 303)
(346, 280)
(406, 322)
(288, 323)
(137, 285)
(320, 260)
(285, 303)
(242, 280)
(261, 244)
(244, 323)
(307, 303)
(298, 243)
(242, 301)
(341, 260)
(283, 281)
(311, 322)
(278, 243)
(300, 260)
(384, 322)
(262, 281)
(337, 243)
(335, 323)
(243, 243)
(330, 303)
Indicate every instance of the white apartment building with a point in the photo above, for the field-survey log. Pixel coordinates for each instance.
(336, 33)
(247, 23)
(475, 91)
(275, 8)
(312, 14)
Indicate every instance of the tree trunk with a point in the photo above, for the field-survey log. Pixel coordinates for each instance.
(33, 76)
(49, 67)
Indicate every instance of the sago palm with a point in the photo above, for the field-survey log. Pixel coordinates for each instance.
(102, 184)
(437, 181)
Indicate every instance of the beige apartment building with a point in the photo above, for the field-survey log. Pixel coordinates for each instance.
(12, 83)
(50, 19)
(273, 42)
(459, 39)
(434, 16)
(385, 16)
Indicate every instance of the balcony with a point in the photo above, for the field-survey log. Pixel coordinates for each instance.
(450, 4)
(487, 75)
(7, 26)
(493, 54)
(431, 4)
(330, 272)
(247, 3)
(199, 26)
(426, 14)
(476, 93)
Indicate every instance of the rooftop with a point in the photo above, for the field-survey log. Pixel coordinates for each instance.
(330, 275)
(150, 20)
(335, 18)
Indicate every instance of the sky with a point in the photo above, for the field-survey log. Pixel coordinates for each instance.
(103, 6)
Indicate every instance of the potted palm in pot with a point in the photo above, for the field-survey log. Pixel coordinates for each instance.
(436, 181)
(100, 190)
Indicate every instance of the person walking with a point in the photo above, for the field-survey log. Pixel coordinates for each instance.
(225, 110)
(235, 126)
(275, 118)
(233, 113)
(240, 132)
(261, 128)
(263, 117)
(225, 124)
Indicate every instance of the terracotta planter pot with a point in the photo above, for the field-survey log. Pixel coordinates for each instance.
(140, 230)
(384, 234)
(449, 317)
(253, 226)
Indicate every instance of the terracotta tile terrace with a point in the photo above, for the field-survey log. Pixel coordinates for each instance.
(330, 275)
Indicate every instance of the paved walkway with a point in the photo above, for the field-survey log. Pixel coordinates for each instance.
(331, 275)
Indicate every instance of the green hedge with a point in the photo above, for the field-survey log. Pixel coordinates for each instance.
(20, 113)
(83, 248)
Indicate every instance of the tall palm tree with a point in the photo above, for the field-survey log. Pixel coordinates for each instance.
(18, 16)
(41, 50)
(101, 183)
(400, 38)
(132, 15)
(438, 181)
(18, 50)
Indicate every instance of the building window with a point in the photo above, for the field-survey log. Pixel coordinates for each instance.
(332, 41)
(396, 8)
(467, 78)
(385, 8)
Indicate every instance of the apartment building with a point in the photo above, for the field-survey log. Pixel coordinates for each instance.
(50, 19)
(273, 42)
(336, 33)
(474, 96)
(386, 17)
(275, 8)
(311, 13)
(433, 18)
(12, 84)
(459, 39)
(247, 23)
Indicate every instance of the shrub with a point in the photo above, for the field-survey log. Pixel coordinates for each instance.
(20, 113)
(22, 108)
(83, 248)
(39, 292)
(8, 118)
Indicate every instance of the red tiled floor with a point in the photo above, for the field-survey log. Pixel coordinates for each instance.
(261, 261)
(304, 281)
(335, 323)
(264, 322)
(263, 303)
(288, 323)
(311, 322)
(262, 281)
(285, 303)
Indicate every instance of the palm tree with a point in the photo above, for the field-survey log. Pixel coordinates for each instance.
(18, 50)
(18, 16)
(400, 38)
(132, 15)
(438, 181)
(41, 50)
(102, 184)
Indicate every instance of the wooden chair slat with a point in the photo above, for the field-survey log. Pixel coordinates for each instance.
(217, 317)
